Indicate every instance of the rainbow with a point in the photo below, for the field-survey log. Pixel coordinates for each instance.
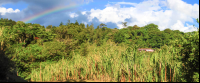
(48, 12)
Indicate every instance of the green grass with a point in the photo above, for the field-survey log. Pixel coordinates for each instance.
(112, 63)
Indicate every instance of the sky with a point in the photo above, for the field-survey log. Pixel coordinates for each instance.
(173, 14)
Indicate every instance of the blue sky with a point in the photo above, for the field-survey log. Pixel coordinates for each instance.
(173, 14)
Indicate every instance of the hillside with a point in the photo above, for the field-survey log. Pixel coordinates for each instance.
(79, 52)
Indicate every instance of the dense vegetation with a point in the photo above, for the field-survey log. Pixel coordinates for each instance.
(76, 51)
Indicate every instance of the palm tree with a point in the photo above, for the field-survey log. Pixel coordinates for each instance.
(124, 24)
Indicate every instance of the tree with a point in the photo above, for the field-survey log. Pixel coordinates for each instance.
(124, 24)
(97, 27)
(168, 30)
(87, 25)
(82, 25)
(129, 27)
(49, 27)
(7, 22)
(68, 22)
(122, 36)
(151, 27)
(76, 23)
(190, 50)
(102, 25)
(61, 24)
(54, 27)
(135, 27)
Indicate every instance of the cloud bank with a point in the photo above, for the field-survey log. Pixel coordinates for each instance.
(171, 14)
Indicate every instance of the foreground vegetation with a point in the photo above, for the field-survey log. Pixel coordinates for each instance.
(73, 51)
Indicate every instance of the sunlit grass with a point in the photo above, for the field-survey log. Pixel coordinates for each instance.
(112, 63)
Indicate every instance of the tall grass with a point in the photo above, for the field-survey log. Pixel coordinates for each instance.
(114, 63)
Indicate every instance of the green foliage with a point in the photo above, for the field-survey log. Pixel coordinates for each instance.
(168, 31)
(102, 25)
(21, 32)
(68, 22)
(6, 22)
(129, 27)
(29, 57)
(49, 27)
(61, 24)
(84, 49)
(19, 44)
(188, 45)
(196, 77)
(23, 57)
(151, 27)
(135, 27)
(122, 36)
(76, 23)
(190, 52)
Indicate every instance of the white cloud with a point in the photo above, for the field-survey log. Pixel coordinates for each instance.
(180, 26)
(3, 10)
(72, 15)
(83, 13)
(183, 7)
(151, 11)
